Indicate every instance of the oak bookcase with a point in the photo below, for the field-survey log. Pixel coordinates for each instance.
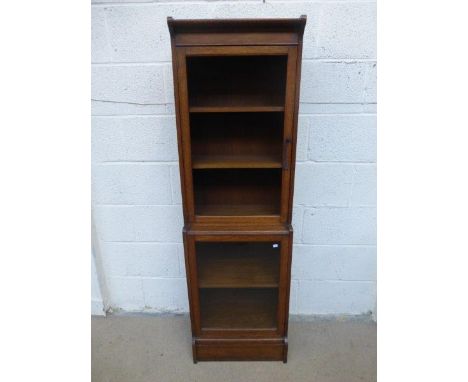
(236, 85)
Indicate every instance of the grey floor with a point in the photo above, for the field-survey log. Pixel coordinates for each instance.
(158, 349)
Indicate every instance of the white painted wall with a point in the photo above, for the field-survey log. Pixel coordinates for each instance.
(136, 195)
(97, 302)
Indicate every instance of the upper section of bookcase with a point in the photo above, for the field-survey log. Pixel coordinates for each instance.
(212, 32)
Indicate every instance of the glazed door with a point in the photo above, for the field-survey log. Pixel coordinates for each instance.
(240, 285)
(236, 113)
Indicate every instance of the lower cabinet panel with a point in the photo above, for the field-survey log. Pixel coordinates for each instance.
(240, 350)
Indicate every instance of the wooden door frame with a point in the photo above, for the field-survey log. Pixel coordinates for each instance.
(289, 129)
(283, 285)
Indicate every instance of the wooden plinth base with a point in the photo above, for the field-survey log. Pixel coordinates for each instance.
(240, 349)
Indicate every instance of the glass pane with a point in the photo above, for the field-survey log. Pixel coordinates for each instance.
(225, 81)
(236, 140)
(238, 284)
(234, 192)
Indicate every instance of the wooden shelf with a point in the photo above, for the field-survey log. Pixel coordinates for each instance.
(233, 108)
(217, 103)
(235, 161)
(225, 268)
(236, 210)
(238, 308)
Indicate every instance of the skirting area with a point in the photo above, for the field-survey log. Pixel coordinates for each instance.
(142, 348)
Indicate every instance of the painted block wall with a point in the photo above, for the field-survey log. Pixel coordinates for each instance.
(135, 176)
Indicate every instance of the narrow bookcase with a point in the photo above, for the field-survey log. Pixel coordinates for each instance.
(236, 86)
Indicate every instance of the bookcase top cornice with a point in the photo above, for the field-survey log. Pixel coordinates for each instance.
(277, 31)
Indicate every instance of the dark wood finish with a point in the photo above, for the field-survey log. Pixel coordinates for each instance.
(240, 350)
(231, 210)
(236, 86)
(245, 265)
(243, 32)
(237, 140)
(239, 105)
(236, 226)
(229, 308)
(234, 161)
(236, 83)
(238, 192)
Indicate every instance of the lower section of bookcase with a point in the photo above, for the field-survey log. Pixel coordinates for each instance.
(239, 284)
(275, 349)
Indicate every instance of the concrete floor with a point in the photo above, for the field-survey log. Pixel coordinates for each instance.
(144, 348)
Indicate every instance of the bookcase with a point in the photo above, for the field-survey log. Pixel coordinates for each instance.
(236, 87)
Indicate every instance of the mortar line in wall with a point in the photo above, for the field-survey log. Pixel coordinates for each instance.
(128, 102)
(306, 206)
(362, 103)
(172, 104)
(337, 245)
(318, 17)
(134, 63)
(172, 115)
(180, 243)
(134, 205)
(295, 244)
(337, 162)
(336, 103)
(315, 206)
(337, 280)
(308, 131)
(335, 114)
(351, 189)
(301, 233)
(183, 278)
(132, 115)
(171, 186)
(365, 90)
(143, 242)
(110, 163)
(331, 60)
(314, 1)
(158, 2)
(130, 162)
(147, 277)
(179, 205)
(208, 2)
